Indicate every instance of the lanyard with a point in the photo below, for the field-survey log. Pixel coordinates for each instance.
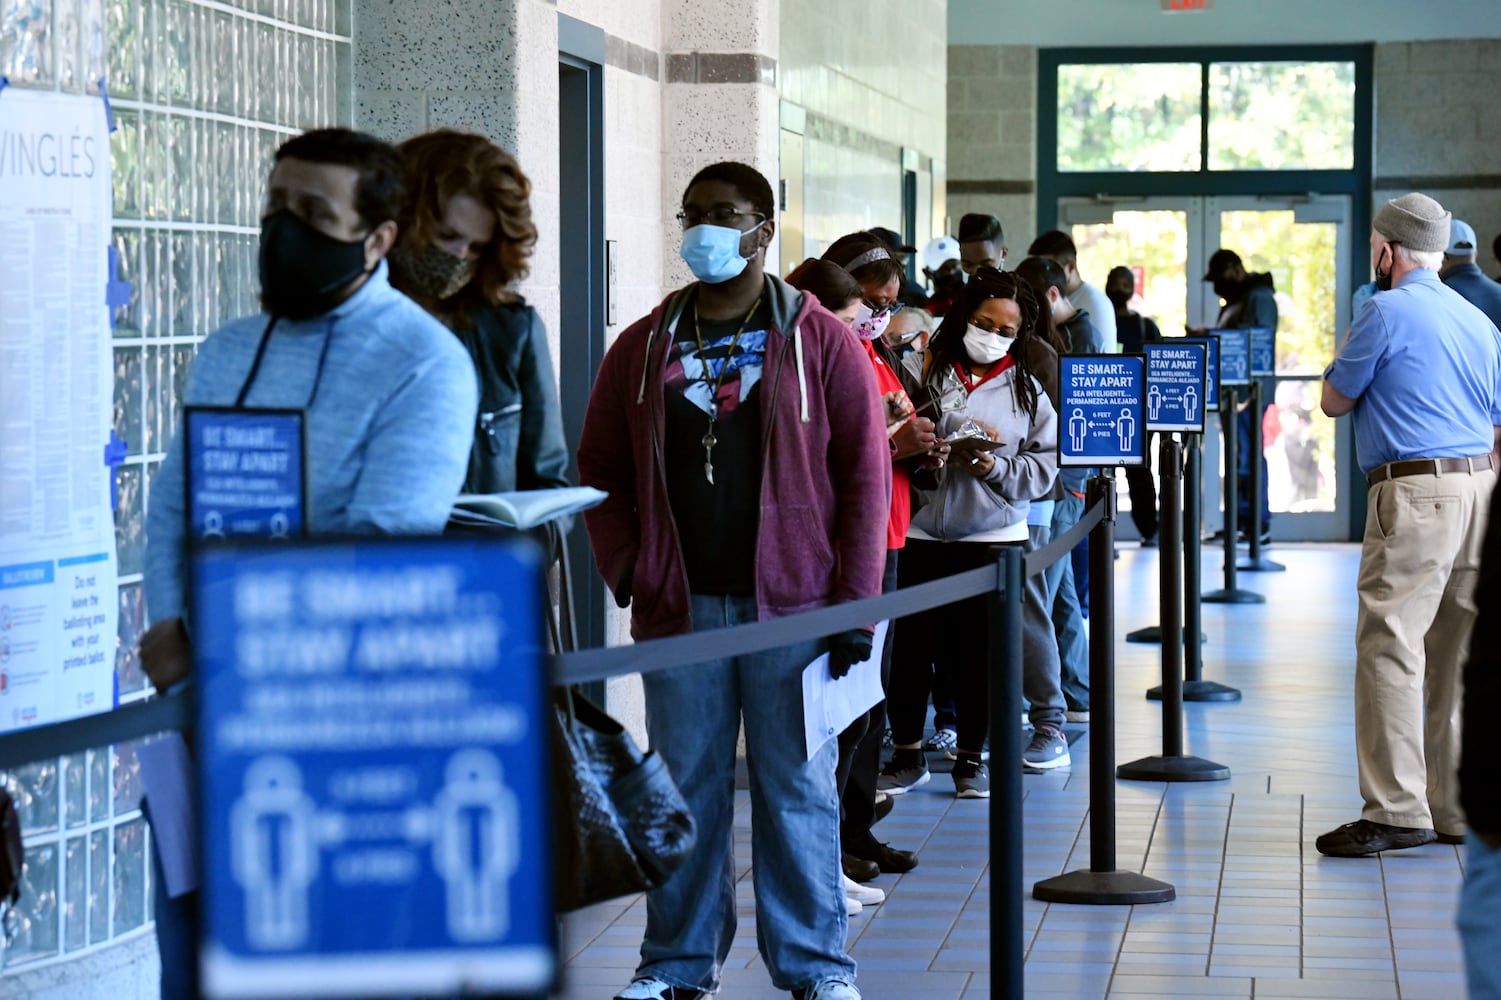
(260, 354)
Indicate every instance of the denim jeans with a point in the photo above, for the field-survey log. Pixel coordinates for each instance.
(1480, 918)
(1068, 620)
(693, 716)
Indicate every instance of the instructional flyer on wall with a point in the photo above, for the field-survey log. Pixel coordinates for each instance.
(58, 602)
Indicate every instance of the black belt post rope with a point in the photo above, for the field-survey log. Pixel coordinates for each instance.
(1195, 688)
(1004, 641)
(1229, 423)
(1172, 765)
(1255, 562)
(1101, 883)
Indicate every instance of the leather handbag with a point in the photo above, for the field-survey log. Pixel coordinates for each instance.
(621, 825)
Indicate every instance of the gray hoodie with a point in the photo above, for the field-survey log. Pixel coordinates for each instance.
(1026, 463)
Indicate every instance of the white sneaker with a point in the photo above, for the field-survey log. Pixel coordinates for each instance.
(852, 906)
(865, 895)
(833, 989)
(652, 988)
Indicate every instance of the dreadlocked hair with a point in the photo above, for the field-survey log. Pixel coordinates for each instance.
(947, 347)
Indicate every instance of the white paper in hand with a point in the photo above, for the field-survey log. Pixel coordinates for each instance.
(829, 706)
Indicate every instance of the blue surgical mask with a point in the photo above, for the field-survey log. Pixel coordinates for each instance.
(712, 252)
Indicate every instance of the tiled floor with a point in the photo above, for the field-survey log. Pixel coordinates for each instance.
(1259, 913)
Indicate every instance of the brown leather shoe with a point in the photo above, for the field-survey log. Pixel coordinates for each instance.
(1364, 837)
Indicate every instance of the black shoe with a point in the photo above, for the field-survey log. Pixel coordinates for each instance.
(884, 804)
(1451, 838)
(1266, 536)
(890, 861)
(1363, 837)
(1149, 542)
(858, 869)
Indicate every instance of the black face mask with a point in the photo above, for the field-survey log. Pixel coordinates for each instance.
(1384, 280)
(1118, 297)
(1227, 289)
(302, 270)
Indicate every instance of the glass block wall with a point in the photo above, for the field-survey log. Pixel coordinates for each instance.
(203, 91)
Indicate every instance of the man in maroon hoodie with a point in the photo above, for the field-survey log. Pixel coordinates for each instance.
(741, 438)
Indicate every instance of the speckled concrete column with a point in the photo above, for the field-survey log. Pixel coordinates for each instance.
(487, 66)
(720, 101)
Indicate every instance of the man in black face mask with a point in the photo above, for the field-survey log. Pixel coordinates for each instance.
(1249, 300)
(387, 394)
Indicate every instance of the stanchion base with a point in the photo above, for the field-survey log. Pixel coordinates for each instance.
(1103, 889)
(1236, 596)
(1261, 564)
(1153, 634)
(1199, 691)
(1173, 769)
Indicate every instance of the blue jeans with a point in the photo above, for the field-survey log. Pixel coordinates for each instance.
(1068, 620)
(693, 716)
(1479, 918)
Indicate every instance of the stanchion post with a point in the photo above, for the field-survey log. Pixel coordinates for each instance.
(1172, 765)
(1101, 883)
(1005, 653)
(1254, 561)
(1195, 688)
(1191, 529)
(1231, 594)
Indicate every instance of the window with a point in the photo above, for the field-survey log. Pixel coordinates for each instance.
(203, 91)
(1281, 115)
(1135, 116)
(1150, 117)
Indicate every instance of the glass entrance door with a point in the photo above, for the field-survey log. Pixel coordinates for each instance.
(1304, 243)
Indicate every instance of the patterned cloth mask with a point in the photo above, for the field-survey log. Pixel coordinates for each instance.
(431, 272)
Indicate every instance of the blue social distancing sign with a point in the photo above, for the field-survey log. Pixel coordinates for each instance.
(246, 472)
(1175, 385)
(373, 733)
(1101, 418)
(1235, 355)
(1263, 351)
(1211, 368)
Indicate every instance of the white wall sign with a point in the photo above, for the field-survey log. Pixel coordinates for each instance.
(58, 601)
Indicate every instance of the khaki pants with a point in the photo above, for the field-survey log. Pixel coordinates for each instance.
(1418, 568)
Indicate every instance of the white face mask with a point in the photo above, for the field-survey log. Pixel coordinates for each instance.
(984, 347)
(869, 324)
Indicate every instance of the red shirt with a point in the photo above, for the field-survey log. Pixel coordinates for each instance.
(900, 515)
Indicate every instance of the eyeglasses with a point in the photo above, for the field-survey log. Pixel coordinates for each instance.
(879, 311)
(981, 323)
(720, 215)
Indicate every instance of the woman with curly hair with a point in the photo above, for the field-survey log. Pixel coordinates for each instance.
(465, 238)
(978, 373)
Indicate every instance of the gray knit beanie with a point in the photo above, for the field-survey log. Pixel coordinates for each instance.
(1414, 221)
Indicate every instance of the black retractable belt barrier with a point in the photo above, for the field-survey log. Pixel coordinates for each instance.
(1101, 883)
(1229, 424)
(1195, 688)
(1004, 641)
(1255, 562)
(1172, 765)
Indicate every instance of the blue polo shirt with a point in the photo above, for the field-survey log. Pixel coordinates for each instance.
(1424, 367)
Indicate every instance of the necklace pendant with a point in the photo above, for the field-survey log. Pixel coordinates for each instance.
(709, 441)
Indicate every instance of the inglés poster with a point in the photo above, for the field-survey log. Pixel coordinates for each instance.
(58, 602)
